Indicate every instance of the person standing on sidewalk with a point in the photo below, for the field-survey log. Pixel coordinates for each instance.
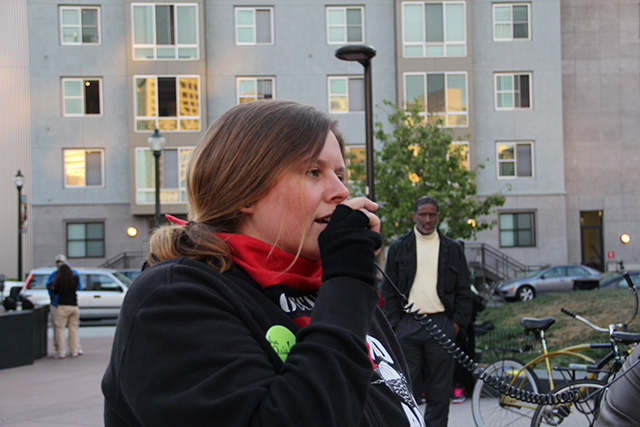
(53, 307)
(432, 270)
(64, 287)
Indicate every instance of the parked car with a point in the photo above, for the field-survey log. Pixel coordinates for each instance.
(103, 290)
(608, 280)
(548, 280)
(131, 273)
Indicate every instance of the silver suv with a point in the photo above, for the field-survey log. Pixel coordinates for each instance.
(103, 290)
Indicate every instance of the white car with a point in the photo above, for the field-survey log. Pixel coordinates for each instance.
(101, 296)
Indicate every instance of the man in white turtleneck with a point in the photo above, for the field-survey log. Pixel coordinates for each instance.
(432, 270)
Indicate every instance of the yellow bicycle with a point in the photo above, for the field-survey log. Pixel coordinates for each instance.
(493, 407)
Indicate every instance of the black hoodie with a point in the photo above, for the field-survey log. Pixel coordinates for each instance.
(190, 349)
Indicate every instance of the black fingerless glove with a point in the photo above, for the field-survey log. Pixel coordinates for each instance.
(347, 246)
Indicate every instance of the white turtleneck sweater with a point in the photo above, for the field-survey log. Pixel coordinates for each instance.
(424, 293)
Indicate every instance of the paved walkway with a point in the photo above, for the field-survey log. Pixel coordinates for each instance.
(67, 392)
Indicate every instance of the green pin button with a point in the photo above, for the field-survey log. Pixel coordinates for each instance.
(281, 339)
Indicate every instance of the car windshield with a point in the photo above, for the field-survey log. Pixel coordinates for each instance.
(124, 279)
(605, 277)
(535, 272)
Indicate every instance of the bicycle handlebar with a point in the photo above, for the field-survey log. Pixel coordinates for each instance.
(613, 326)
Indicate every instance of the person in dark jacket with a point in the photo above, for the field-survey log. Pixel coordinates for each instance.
(619, 407)
(431, 270)
(261, 309)
(63, 288)
(53, 307)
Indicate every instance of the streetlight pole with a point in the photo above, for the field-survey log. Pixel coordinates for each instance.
(18, 180)
(157, 143)
(363, 53)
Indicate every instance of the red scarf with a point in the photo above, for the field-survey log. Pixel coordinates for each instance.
(282, 275)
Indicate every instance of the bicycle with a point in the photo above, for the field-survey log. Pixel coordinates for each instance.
(493, 408)
(586, 407)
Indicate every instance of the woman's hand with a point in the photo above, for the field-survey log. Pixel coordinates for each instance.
(348, 244)
(367, 207)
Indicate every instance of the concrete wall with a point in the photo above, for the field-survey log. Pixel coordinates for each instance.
(601, 89)
(543, 124)
(14, 135)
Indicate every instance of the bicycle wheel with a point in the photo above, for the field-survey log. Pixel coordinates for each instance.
(582, 413)
(491, 409)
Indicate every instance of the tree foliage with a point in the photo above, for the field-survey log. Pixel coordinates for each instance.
(418, 159)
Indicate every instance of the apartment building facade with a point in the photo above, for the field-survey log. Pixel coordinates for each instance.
(543, 93)
(105, 75)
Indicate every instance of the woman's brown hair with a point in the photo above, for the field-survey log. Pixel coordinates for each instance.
(238, 161)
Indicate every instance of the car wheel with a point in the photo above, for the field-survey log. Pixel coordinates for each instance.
(525, 293)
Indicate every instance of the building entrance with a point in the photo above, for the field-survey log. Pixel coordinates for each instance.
(591, 239)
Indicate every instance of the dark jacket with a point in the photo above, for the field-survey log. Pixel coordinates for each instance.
(453, 278)
(620, 408)
(68, 295)
(190, 350)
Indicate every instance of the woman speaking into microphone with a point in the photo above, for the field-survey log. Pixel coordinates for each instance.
(261, 309)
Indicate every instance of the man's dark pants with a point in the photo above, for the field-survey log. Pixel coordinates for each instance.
(430, 366)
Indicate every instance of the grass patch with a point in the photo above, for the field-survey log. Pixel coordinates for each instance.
(601, 307)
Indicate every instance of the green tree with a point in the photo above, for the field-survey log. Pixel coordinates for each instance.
(418, 159)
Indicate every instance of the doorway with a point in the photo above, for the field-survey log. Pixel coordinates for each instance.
(591, 239)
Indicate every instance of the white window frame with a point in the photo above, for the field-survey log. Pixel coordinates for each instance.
(512, 92)
(424, 44)
(154, 46)
(345, 26)
(81, 97)
(238, 26)
(446, 113)
(178, 95)
(515, 160)
(330, 94)
(63, 26)
(85, 150)
(510, 5)
(70, 254)
(534, 227)
(181, 190)
(255, 81)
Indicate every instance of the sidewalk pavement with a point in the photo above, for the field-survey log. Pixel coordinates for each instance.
(67, 393)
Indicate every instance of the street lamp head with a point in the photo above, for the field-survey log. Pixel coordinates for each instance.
(356, 52)
(156, 141)
(18, 180)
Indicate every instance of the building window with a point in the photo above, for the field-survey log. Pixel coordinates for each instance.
(85, 239)
(439, 96)
(83, 168)
(253, 88)
(434, 29)
(517, 229)
(513, 91)
(511, 21)
(165, 31)
(345, 25)
(515, 159)
(254, 25)
(79, 25)
(346, 94)
(81, 97)
(173, 175)
(167, 103)
(356, 155)
(464, 152)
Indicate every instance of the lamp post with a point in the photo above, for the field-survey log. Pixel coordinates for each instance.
(157, 142)
(363, 54)
(18, 180)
